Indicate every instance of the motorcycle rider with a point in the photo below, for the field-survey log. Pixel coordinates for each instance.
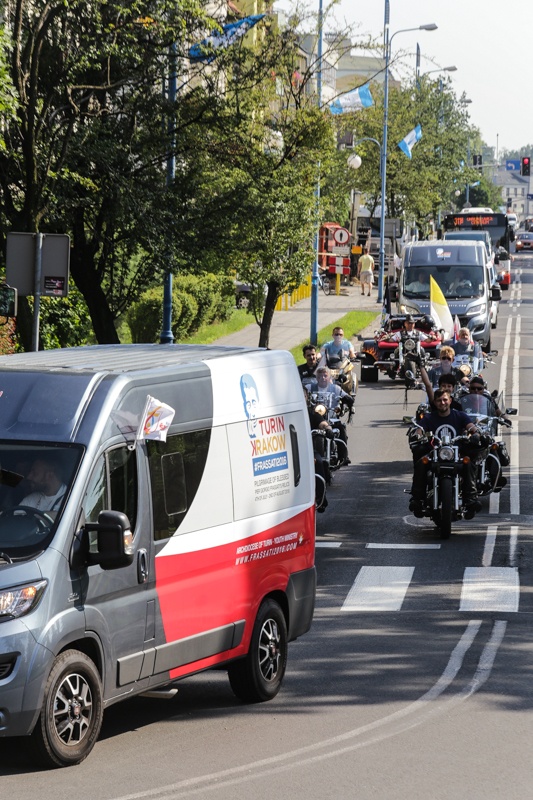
(454, 423)
(337, 348)
(307, 370)
(333, 396)
(476, 387)
(408, 329)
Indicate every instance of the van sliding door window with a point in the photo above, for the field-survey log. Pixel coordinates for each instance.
(176, 469)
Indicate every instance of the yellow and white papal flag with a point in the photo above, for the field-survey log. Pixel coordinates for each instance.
(156, 420)
(438, 308)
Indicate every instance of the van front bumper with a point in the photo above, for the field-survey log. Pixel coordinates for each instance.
(24, 665)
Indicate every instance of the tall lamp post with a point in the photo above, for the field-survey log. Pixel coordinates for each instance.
(388, 42)
(313, 333)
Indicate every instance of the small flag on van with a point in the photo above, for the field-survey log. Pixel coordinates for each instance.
(156, 420)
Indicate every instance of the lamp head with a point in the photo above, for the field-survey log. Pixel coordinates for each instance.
(429, 27)
(354, 161)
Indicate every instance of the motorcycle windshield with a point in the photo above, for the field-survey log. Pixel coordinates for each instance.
(477, 405)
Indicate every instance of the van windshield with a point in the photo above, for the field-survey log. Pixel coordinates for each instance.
(454, 281)
(34, 483)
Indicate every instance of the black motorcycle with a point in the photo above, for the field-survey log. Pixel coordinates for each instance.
(331, 409)
(493, 453)
(445, 462)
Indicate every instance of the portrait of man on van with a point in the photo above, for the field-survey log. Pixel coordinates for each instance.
(250, 397)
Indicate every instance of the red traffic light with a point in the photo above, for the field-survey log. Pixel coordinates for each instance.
(525, 165)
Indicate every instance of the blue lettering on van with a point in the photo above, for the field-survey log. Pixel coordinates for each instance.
(270, 463)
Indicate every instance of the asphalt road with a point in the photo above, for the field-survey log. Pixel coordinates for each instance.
(416, 678)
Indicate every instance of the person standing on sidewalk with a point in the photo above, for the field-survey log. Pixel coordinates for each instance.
(365, 271)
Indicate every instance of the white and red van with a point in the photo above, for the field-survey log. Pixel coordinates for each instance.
(131, 560)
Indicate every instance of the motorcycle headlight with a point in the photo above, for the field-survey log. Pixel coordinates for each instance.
(446, 453)
(321, 409)
(410, 345)
(481, 308)
(465, 369)
(20, 600)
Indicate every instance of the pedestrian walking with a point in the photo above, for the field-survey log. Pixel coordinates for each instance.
(365, 271)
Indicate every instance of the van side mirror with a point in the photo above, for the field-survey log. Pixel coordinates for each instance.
(113, 546)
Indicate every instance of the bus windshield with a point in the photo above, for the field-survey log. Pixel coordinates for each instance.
(454, 281)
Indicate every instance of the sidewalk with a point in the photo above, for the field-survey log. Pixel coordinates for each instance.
(291, 327)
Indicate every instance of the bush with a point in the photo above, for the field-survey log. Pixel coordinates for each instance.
(196, 300)
(145, 317)
(185, 321)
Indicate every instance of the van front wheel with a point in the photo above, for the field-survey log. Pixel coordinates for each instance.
(258, 676)
(72, 712)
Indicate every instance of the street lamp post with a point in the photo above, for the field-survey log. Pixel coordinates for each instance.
(388, 42)
(313, 334)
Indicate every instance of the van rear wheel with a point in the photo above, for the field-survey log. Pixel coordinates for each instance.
(258, 676)
(72, 712)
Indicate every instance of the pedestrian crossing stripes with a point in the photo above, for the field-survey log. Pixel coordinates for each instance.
(385, 588)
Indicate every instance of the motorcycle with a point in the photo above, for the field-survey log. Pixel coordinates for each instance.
(343, 373)
(409, 356)
(335, 448)
(493, 453)
(322, 472)
(445, 464)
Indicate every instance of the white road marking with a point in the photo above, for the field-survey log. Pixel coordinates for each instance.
(327, 544)
(513, 540)
(382, 546)
(514, 488)
(379, 730)
(490, 541)
(490, 589)
(378, 589)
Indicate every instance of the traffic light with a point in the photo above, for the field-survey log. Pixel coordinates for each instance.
(525, 165)
(478, 162)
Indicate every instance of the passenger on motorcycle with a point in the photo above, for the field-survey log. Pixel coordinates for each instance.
(446, 381)
(337, 348)
(446, 356)
(307, 370)
(333, 397)
(444, 420)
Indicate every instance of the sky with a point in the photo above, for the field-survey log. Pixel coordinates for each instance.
(490, 43)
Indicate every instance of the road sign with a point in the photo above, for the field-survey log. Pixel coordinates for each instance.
(20, 263)
(341, 249)
(530, 197)
(512, 165)
(341, 236)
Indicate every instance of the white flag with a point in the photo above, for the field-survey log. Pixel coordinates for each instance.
(352, 101)
(407, 144)
(156, 420)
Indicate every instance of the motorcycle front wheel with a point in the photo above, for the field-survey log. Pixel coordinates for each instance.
(446, 507)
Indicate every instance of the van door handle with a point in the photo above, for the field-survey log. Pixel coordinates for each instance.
(142, 566)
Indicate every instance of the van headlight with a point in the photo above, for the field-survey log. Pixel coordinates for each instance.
(20, 600)
(481, 308)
